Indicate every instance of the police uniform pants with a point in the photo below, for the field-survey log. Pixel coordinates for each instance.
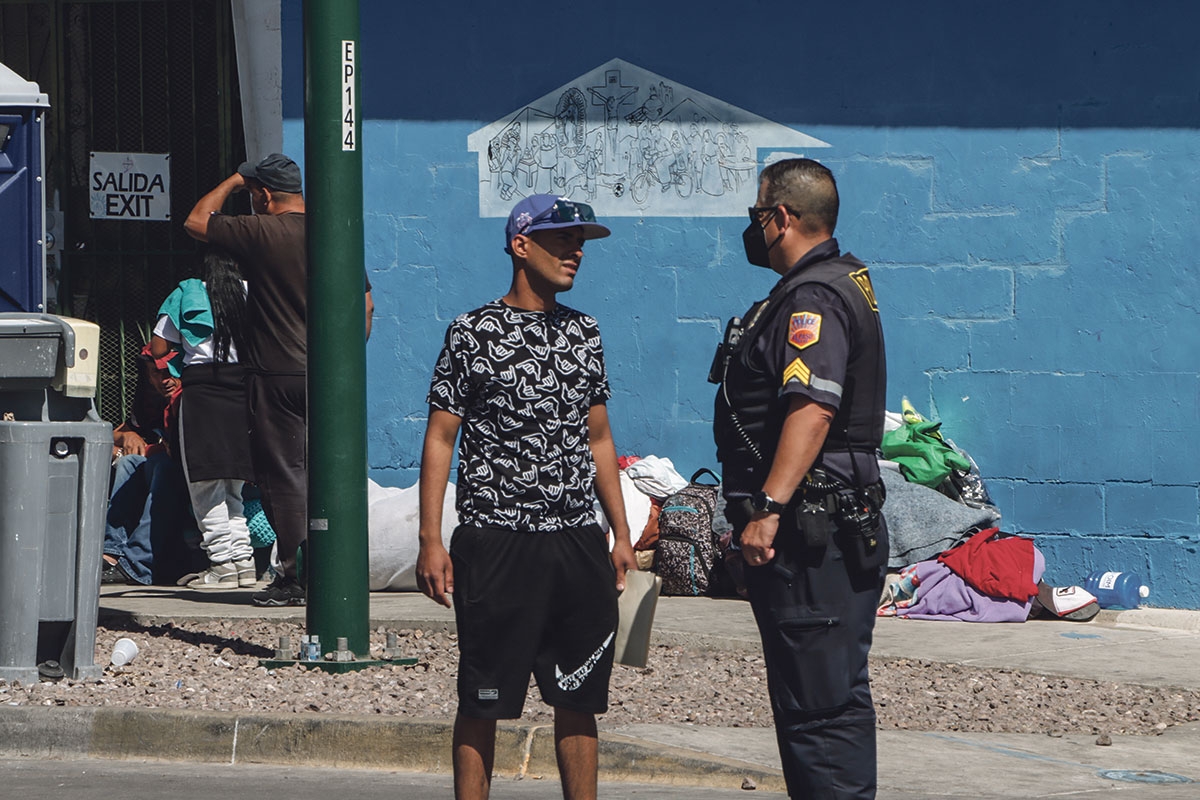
(816, 613)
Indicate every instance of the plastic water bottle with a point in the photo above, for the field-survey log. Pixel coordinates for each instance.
(1116, 589)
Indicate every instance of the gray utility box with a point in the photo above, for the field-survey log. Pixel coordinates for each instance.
(55, 454)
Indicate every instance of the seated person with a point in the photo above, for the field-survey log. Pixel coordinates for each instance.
(148, 512)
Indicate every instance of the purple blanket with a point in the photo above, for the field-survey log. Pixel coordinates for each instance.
(940, 594)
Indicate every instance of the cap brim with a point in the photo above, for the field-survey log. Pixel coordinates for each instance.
(247, 170)
(591, 230)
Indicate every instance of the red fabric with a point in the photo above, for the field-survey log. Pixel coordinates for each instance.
(171, 411)
(995, 567)
(649, 540)
(159, 363)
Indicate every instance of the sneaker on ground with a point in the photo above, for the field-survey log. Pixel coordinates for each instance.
(283, 591)
(218, 576)
(247, 572)
(113, 573)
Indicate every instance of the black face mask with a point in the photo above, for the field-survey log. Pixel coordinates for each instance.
(754, 240)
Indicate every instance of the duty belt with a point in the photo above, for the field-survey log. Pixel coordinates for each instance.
(825, 490)
(815, 506)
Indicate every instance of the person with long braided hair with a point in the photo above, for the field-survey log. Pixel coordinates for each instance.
(204, 321)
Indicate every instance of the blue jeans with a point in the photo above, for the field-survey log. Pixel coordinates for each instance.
(148, 512)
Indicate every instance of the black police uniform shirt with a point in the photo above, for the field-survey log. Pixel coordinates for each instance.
(523, 383)
(806, 347)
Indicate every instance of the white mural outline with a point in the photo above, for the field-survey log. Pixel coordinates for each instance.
(631, 142)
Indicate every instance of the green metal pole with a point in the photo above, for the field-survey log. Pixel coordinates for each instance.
(336, 560)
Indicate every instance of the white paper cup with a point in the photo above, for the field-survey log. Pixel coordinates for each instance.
(124, 651)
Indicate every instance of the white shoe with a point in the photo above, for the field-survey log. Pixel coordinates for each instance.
(247, 572)
(218, 576)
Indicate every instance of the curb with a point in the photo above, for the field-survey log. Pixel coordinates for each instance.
(1160, 618)
(109, 615)
(711, 642)
(281, 615)
(342, 741)
(1164, 618)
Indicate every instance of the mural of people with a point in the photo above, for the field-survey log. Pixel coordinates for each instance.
(547, 161)
(503, 154)
(637, 143)
(710, 166)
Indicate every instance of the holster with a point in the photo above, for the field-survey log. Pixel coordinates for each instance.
(860, 526)
(811, 521)
(815, 521)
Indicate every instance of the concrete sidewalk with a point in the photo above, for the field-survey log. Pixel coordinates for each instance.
(1149, 647)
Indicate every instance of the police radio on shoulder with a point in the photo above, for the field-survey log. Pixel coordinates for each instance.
(762, 502)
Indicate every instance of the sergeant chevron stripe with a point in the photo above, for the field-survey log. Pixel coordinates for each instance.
(797, 371)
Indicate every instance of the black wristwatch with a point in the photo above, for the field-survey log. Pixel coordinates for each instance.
(761, 502)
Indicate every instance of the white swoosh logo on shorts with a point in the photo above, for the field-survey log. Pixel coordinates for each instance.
(571, 682)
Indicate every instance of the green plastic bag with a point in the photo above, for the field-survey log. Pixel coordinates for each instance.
(923, 456)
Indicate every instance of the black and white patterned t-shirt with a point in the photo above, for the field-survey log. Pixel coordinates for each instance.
(523, 383)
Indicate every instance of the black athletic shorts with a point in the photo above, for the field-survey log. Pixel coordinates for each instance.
(540, 603)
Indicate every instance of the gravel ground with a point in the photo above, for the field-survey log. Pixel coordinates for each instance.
(214, 667)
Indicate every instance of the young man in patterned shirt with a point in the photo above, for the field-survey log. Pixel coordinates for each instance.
(533, 583)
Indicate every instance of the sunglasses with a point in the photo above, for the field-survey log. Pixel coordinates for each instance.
(563, 211)
(758, 212)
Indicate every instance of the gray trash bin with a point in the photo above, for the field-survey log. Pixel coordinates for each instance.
(55, 454)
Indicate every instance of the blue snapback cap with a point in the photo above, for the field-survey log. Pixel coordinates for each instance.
(540, 212)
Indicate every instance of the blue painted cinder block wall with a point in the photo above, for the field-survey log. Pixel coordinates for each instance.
(1022, 178)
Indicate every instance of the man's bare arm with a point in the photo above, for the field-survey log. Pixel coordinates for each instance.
(435, 573)
(804, 430)
(197, 222)
(370, 312)
(608, 490)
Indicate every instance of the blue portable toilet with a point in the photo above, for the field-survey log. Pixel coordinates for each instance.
(22, 194)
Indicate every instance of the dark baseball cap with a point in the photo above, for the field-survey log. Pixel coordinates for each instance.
(277, 172)
(540, 212)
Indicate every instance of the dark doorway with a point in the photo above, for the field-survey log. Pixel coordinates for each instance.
(128, 76)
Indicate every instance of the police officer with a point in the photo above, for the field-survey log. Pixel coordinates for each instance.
(799, 416)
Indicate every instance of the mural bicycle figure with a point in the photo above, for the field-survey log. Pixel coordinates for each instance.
(639, 142)
(666, 169)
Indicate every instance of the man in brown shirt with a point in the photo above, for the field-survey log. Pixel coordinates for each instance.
(271, 248)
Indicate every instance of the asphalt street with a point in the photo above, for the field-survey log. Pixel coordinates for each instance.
(94, 779)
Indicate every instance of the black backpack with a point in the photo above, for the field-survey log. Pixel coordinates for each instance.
(686, 555)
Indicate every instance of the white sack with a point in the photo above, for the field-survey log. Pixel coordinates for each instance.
(656, 476)
(393, 521)
(637, 510)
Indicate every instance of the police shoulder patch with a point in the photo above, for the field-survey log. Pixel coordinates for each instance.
(862, 279)
(804, 329)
